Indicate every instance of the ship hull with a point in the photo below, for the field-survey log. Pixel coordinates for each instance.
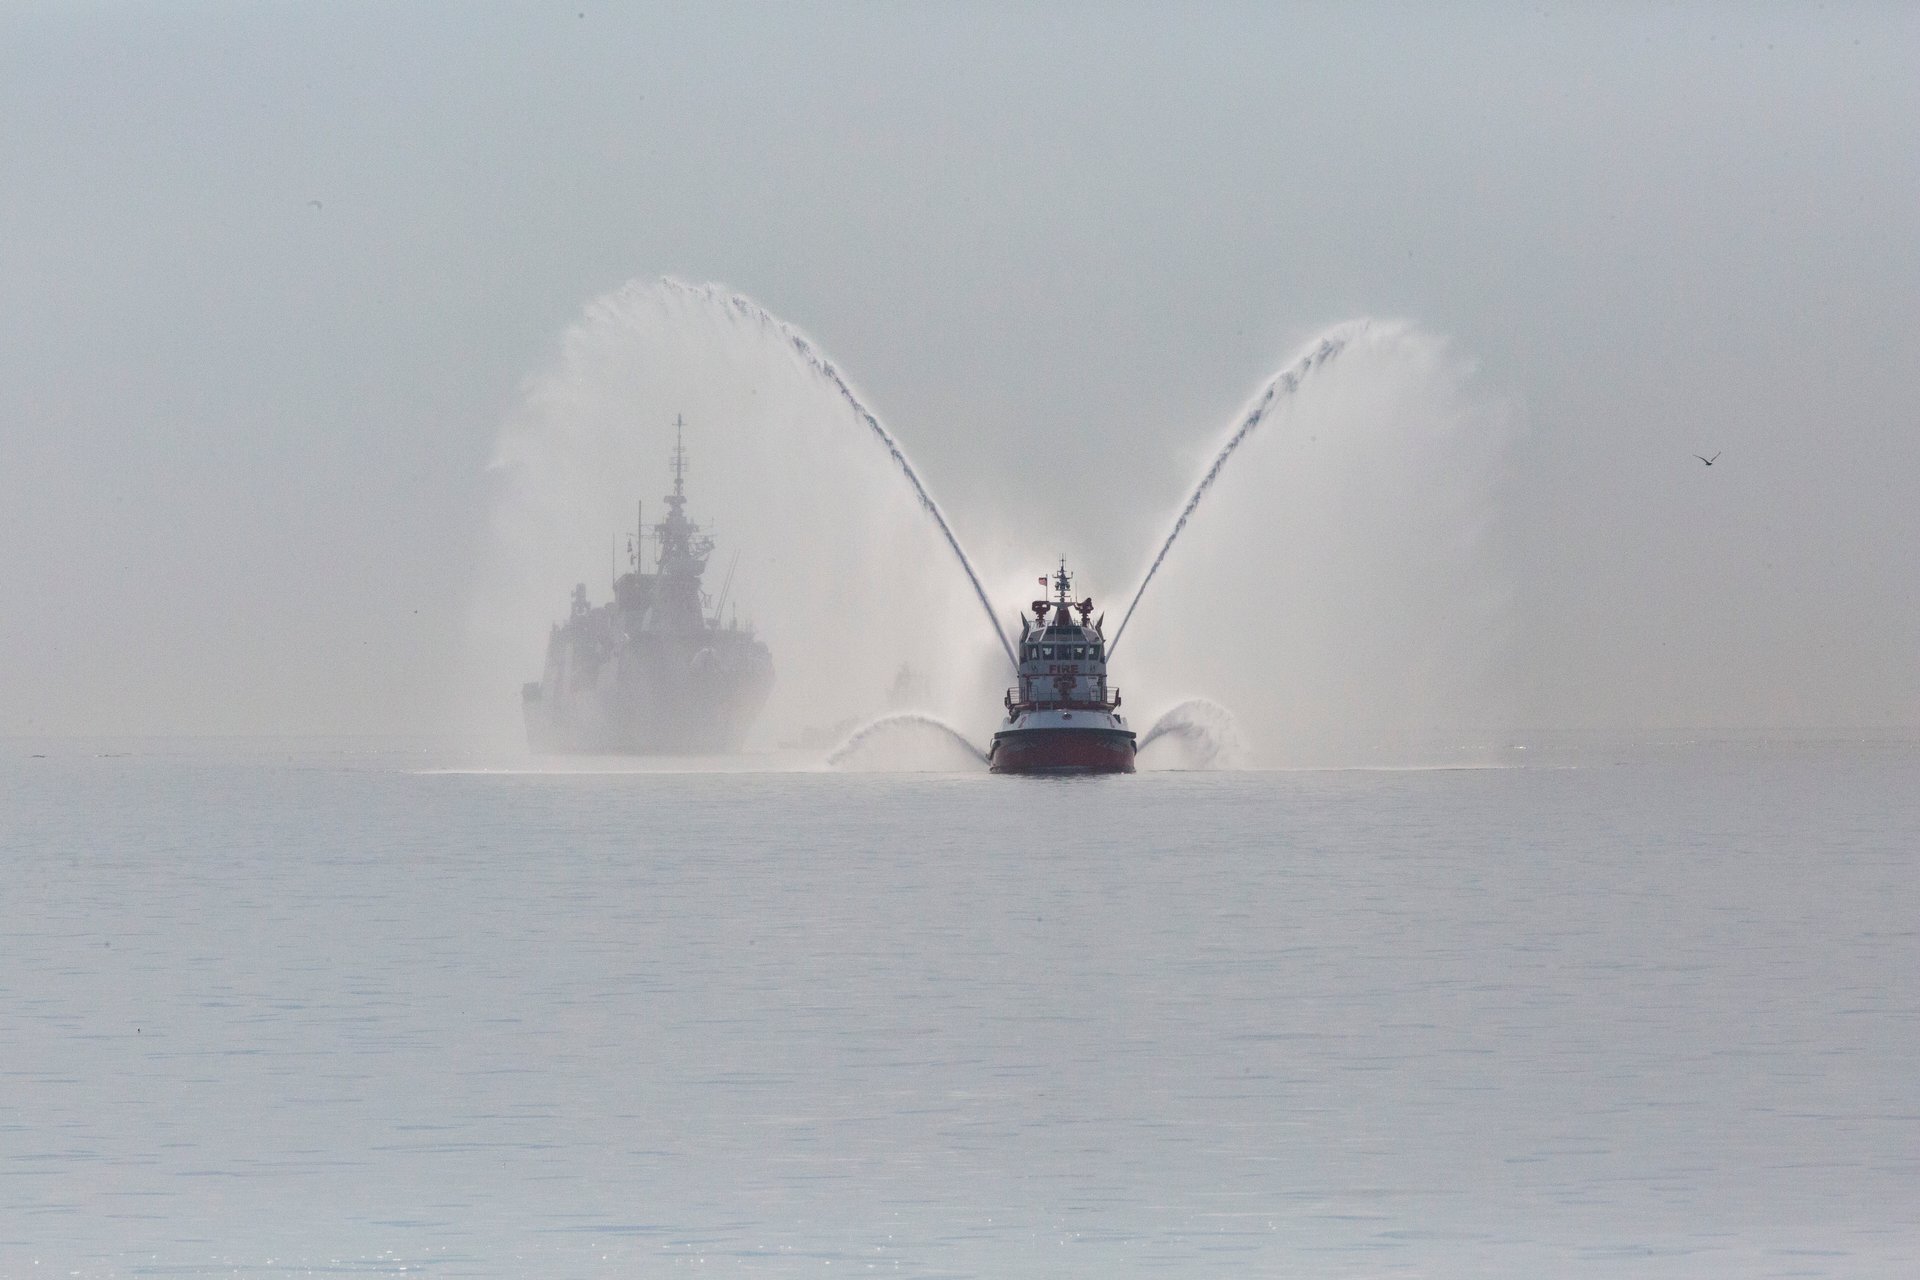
(1064, 750)
(624, 728)
(647, 706)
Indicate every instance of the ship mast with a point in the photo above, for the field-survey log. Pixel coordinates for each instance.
(679, 463)
(684, 549)
(674, 531)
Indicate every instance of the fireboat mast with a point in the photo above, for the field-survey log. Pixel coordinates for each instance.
(1061, 604)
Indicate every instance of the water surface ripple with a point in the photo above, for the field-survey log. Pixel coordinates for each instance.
(323, 1011)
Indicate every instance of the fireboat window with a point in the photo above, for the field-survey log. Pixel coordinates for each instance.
(1046, 651)
(1097, 652)
(1080, 652)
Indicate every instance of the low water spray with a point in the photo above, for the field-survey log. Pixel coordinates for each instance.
(895, 723)
(810, 355)
(1277, 391)
(1207, 728)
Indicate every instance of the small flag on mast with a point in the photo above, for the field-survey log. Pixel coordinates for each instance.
(1043, 582)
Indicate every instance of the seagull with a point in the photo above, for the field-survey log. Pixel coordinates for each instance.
(315, 204)
(1709, 461)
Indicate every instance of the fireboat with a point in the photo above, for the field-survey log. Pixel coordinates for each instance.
(1062, 717)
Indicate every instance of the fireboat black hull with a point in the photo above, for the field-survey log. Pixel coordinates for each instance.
(1062, 751)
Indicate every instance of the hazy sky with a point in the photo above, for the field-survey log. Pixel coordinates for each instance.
(243, 435)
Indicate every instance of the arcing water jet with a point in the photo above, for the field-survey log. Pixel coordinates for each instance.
(811, 356)
(1363, 618)
(1205, 727)
(1340, 582)
(904, 722)
(1277, 391)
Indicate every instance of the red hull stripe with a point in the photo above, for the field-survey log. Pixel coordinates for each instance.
(1062, 751)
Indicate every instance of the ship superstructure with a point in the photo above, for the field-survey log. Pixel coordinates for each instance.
(655, 670)
(1062, 716)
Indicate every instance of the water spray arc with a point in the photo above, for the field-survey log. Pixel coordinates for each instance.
(1207, 727)
(1278, 390)
(811, 356)
(1415, 569)
(906, 720)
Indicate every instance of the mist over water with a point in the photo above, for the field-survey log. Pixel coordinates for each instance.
(1330, 592)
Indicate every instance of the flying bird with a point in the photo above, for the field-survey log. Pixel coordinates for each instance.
(1709, 461)
(315, 204)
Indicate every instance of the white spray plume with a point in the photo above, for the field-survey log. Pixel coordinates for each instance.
(1278, 390)
(841, 548)
(1331, 578)
(1196, 734)
(1342, 589)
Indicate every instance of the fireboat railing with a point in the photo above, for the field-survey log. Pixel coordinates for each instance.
(1013, 703)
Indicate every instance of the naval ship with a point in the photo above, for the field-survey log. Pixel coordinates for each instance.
(1062, 717)
(652, 671)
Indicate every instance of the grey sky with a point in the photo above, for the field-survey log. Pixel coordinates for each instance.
(242, 437)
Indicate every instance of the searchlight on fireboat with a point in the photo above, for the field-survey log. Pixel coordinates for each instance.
(1062, 717)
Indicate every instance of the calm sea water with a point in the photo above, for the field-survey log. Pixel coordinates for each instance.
(330, 1010)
